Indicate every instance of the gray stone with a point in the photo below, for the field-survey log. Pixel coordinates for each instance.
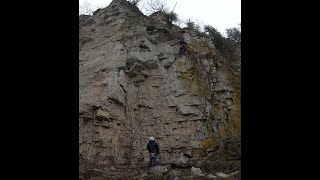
(211, 176)
(158, 170)
(196, 171)
(188, 110)
(221, 174)
(182, 161)
(234, 173)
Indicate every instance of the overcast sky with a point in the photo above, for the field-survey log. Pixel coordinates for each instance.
(221, 14)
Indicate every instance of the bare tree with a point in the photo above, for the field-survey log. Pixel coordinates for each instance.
(234, 34)
(152, 6)
(85, 8)
(134, 2)
(192, 25)
(132, 128)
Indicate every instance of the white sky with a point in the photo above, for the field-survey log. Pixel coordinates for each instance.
(221, 14)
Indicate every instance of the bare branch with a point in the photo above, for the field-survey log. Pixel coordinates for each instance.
(152, 6)
(134, 2)
(85, 8)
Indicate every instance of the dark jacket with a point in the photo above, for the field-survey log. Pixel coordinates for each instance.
(181, 42)
(153, 147)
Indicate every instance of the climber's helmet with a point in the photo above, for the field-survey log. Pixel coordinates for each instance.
(151, 139)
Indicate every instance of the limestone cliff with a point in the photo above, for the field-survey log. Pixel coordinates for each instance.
(132, 87)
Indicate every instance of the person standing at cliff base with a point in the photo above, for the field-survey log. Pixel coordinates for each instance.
(153, 149)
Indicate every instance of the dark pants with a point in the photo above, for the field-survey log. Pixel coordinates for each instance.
(182, 49)
(153, 159)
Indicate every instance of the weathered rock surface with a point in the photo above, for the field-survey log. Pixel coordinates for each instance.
(132, 87)
(196, 171)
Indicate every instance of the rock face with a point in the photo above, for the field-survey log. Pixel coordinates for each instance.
(132, 87)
